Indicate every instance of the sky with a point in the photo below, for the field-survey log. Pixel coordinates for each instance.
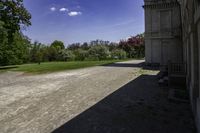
(74, 21)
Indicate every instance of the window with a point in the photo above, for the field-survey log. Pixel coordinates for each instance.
(165, 20)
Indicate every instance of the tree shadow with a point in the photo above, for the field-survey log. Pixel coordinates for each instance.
(140, 106)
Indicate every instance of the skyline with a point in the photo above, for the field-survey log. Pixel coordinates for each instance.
(84, 20)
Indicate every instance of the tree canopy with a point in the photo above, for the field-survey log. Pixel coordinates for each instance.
(13, 44)
(14, 16)
(58, 44)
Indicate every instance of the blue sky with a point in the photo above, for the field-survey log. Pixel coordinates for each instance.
(84, 20)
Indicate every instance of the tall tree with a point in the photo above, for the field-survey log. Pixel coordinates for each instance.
(13, 17)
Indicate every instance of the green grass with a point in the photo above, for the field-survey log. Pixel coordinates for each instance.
(58, 66)
(5, 68)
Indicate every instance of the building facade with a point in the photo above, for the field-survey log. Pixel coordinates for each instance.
(190, 14)
(182, 44)
(162, 31)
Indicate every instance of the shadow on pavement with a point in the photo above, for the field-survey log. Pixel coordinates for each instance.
(125, 64)
(140, 106)
(137, 65)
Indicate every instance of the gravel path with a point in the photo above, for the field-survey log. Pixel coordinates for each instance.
(87, 101)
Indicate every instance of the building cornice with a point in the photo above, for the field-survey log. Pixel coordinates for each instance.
(161, 5)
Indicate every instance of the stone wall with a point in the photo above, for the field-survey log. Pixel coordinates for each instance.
(190, 14)
(197, 22)
(198, 116)
(176, 41)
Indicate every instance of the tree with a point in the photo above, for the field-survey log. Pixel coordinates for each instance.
(134, 46)
(53, 54)
(74, 46)
(15, 53)
(20, 48)
(44, 52)
(85, 46)
(14, 15)
(123, 44)
(67, 55)
(54, 50)
(112, 46)
(58, 45)
(99, 52)
(81, 54)
(13, 45)
(3, 42)
(35, 50)
(39, 57)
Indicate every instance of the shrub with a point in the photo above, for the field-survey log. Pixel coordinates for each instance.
(81, 54)
(99, 52)
(67, 55)
(118, 54)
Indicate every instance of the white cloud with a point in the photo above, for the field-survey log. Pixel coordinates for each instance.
(74, 13)
(63, 9)
(52, 8)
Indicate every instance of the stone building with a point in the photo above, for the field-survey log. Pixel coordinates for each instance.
(172, 32)
(162, 31)
(190, 14)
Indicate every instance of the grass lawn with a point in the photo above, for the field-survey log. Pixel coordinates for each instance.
(5, 68)
(58, 66)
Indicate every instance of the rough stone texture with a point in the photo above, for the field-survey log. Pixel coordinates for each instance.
(119, 98)
(190, 14)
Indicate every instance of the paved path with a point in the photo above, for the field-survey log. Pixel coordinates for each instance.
(103, 99)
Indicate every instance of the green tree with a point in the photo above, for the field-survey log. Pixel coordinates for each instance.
(55, 49)
(39, 57)
(20, 48)
(3, 43)
(13, 45)
(34, 51)
(52, 53)
(81, 54)
(14, 15)
(15, 53)
(58, 45)
(44, 49)
(67, 55)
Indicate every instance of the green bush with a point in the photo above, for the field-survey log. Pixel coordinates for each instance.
(67, 55)
(99, 52)
(81, 54)
(118, 54)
